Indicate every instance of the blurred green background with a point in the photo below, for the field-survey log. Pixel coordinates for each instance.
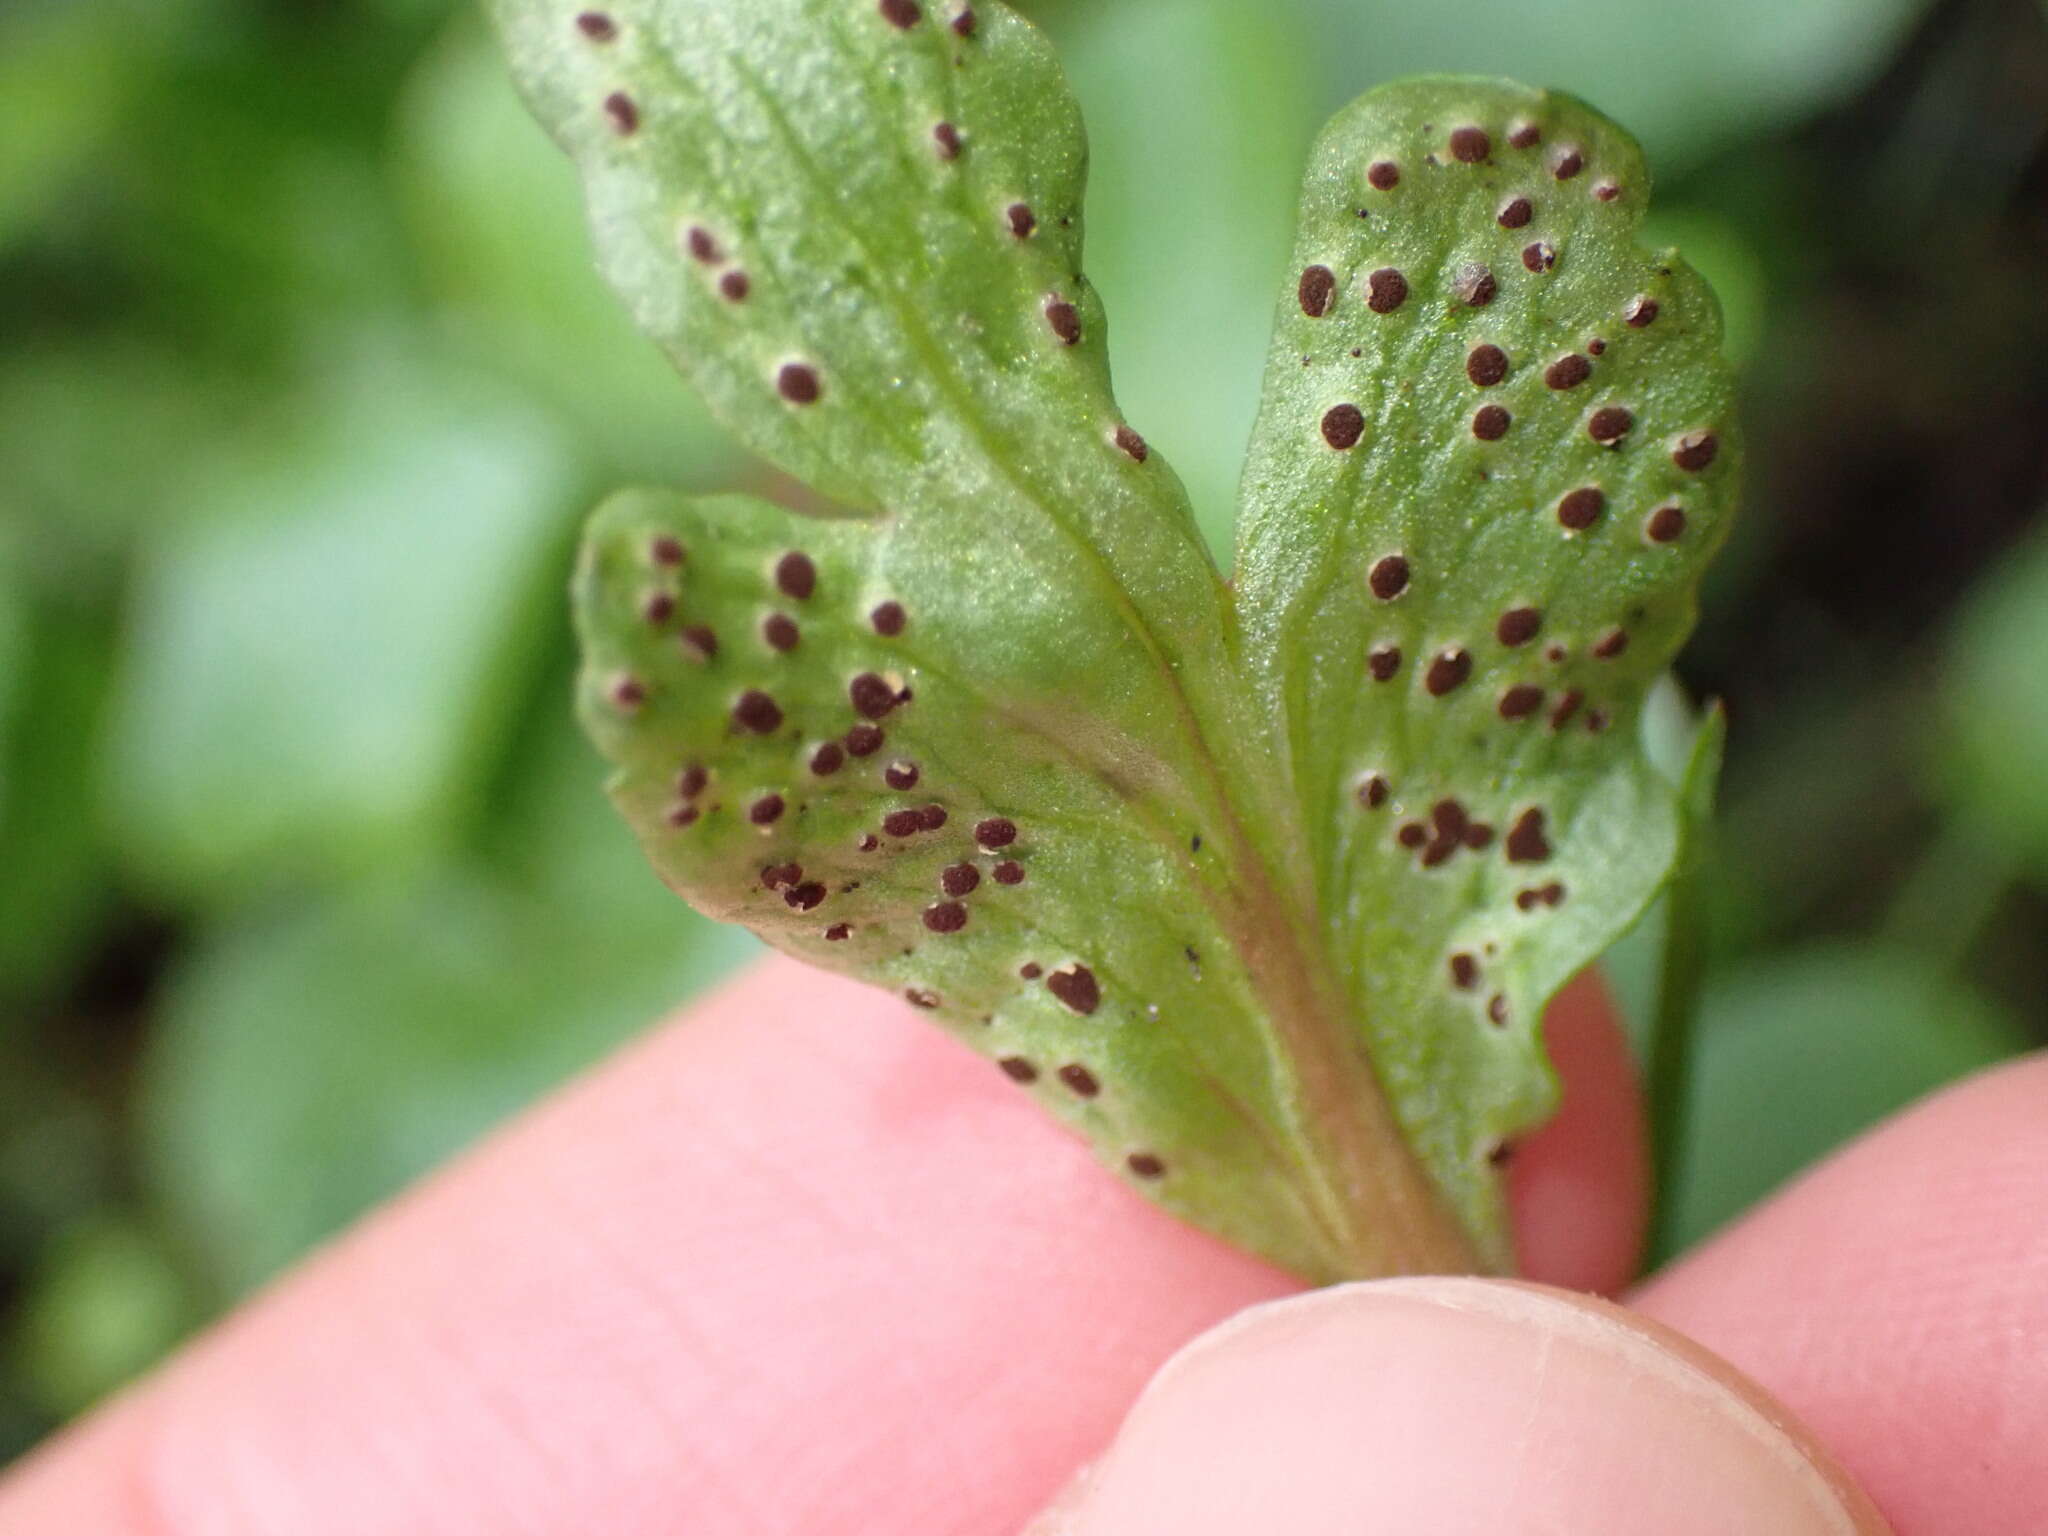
(305, 876)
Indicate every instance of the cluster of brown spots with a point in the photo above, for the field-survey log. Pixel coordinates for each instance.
(1520, 701)
(1525, 135)
(798, 383)
(624, 115)
(1318, 286)
(945, 916)
(1539, 256)
(1567, 706)
(658, 608)
(864, 740)
(1580, 509)
(702, 245)
(900, 13)
(1021, 219)
(1515, 213)
(755, 711)
(699, 641)
(919, 997)
(1079, 1079)
(1539, 896)
(1526, 843)
(1609, 425)
(766, 810)
(1606, 191)
(691, 781)
(959, 879)
(597, 26)
(828, 759)
(666, 549)
(1389, 577)
(1146, 1165)
(1018, 1070)
(1063, 319)
(1449, 829)
(1343, 426)
(1373, 791)
(1490, 423)
(839, 932)
(628, 693)
(1386, 290)
(1383, 175)
(1447, 669)
(1008, 872)
(734, 286)
(1665, 525)
(1128, 440)
(901, 774)
(1464, 970)
(946, 140)
(1611, 644)
(1568, 372)
(995, 832)
(1518, 626)
(1076, 986)
(1639, 311)
(1486, 365)
(1569, 163)
(1475, 285)
(780, 631)
(1470, 145)
(1384, 662)
(1695, 451)
(871, 696)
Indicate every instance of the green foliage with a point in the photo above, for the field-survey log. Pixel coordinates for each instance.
(1263, 887)
(1996, 711)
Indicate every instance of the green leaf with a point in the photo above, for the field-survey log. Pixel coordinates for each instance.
(998, 736)
(1996, 708)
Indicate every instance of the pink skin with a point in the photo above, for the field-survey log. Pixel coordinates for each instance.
(800, 1264)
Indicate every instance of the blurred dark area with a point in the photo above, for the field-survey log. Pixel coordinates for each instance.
(306, 878)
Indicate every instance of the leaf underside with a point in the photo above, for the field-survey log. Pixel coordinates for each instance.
(1269, 919)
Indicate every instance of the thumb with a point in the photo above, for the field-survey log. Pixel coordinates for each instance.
(1455, 1406)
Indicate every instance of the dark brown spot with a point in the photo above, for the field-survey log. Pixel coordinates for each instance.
(1552, 894)
(903, 823)
(1018, 1070)
(796, 575)
(1413, 834)
(1373, 792)
(1063, 318)
(1479, 835)
(1343, 426)
(918, 997)
(1520, 701)
(829, 758)
(804, 897)
(901, 774)
(838, 932)
(1525, 135)
(1664, 525)
(1447, 670)
(1383, 175)
(701, 244)
(1145, 1165)
(1611, 644)
(780, 631)
(1609, 425)
(1518, 626)
(1470, 145)
(963, 24)
(682, 815)
(1567, 706)
(666, 549)
(888, 618)
(1581, 509)
(995, 832)
(1389, 577)
(946, 141)
(699, 641)
(659, 608)
(1539, 256)
(798, 383)
(624, 115)
(900, 13)
(1568, 164)
(1317, 287)
(1475, 286)
(1075, 985)
(1077, 1077)
(1464, 971)
(1596, 721)
(864, 740)
(1606, 191)
(1515, 212)
(945, 917)
(1031, 970)
(1022, 220)
(1384, 662)
(1526, 843)
(755, 711)
(1640, 311)
(932, 817)
(1132, 444)
(871, 696)
(765, 810)
(1490, 423)
(1448, 822)
(1555, 652)
(735, 285)
(776, 876)
(1385, 291)
(691, 781)
(1486, 365)
(1009, 872)
(1497, 1008)
(1568, 372)
(597, 26)
(959, 879)
(1695, 451)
